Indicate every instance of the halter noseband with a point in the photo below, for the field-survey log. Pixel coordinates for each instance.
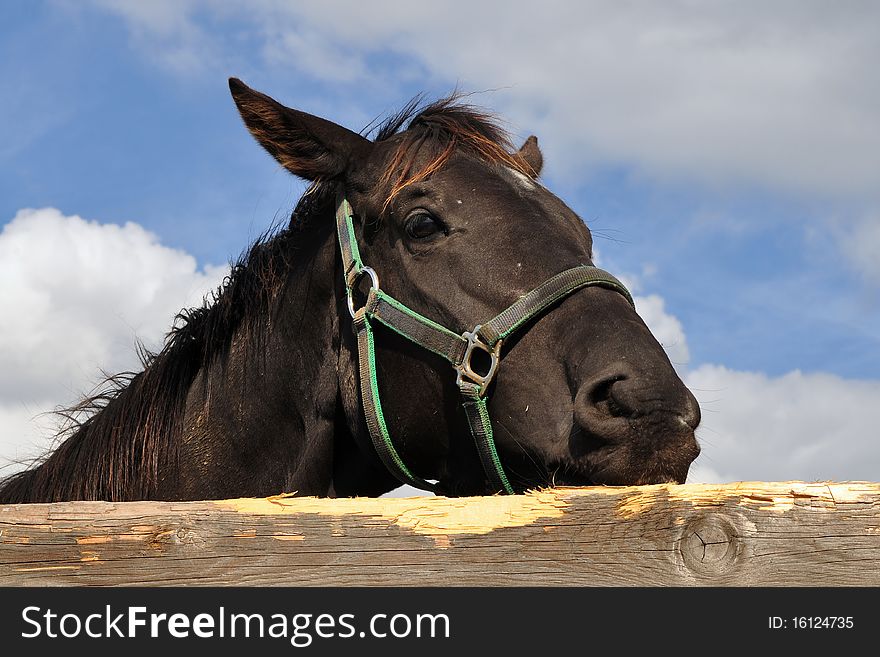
(455, 348)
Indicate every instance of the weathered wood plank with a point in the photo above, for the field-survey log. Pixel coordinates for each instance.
(745, 534)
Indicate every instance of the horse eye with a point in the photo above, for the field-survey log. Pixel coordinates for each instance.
(421, 224)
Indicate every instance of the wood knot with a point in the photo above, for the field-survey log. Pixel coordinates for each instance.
(161, 540)
(710, 545)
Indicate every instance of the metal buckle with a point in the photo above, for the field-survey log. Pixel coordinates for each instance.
(465, 371)
(349, 290)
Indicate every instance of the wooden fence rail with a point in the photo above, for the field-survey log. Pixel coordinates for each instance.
(744, 534)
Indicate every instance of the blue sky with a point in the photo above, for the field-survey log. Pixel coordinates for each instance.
(723, 158)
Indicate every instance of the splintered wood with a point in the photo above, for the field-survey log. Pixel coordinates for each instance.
(743, 534)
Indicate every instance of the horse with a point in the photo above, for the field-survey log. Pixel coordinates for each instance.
(431, 314)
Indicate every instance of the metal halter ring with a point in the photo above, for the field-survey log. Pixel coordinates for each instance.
(465, 371)
(354, 278)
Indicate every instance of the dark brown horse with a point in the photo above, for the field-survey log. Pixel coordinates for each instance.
(264, 389)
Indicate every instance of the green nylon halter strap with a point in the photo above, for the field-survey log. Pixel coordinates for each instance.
(545, 295)
(415, 327)
(379, 434)
(455, 348)
(474, 404)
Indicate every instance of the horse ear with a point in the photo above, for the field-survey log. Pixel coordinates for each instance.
(531, 154)
(307, 146)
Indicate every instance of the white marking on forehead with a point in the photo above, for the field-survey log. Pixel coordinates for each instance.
(523, 180)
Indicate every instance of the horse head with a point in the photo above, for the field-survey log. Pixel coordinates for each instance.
(455, 228)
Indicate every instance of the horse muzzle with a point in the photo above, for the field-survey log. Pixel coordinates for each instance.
(634, 428)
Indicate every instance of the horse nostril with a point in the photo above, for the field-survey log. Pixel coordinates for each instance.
(601, 395)
(598, 407)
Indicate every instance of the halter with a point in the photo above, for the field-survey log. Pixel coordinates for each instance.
(457, 349)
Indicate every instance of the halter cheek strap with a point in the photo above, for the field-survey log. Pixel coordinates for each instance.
(457, 349)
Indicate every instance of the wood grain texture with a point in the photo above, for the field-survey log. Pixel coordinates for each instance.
(744, 534)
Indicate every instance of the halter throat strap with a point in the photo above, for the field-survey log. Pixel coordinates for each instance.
(457, 349)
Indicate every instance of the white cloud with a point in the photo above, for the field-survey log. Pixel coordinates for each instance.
(666, 328)
(796, 426)
(779, 94)
(860, 243)
(26, 429)
(76, 295)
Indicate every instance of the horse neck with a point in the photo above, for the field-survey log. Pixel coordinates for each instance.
(261, 421)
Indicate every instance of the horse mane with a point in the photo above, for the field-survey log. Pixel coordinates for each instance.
(116, 442)
(442, 128)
